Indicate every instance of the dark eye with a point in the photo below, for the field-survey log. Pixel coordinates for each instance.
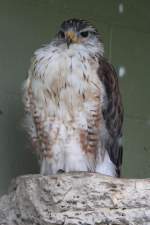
(84, 34)
(61, 34)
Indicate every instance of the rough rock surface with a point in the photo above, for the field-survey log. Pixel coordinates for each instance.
(76, 198)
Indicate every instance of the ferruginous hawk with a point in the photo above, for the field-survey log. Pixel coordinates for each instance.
(73, 105)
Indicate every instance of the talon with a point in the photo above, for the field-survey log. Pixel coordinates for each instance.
(60, 171)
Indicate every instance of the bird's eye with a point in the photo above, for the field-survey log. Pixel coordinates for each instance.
(61, 34)
(84, 34)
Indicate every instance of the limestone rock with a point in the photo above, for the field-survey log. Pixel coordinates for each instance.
(76, 198)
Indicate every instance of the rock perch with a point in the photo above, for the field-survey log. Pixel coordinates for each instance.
(76, 198)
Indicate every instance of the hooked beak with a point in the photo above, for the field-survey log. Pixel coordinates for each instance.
(71, 37)
(69, 41)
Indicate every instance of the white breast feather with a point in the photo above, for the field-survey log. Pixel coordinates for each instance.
(57, 77)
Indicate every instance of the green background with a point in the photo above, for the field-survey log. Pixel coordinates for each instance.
(27, 24)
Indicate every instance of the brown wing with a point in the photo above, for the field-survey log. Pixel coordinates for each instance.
(113, 112)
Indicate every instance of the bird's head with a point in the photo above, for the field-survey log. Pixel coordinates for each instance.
(77, 31)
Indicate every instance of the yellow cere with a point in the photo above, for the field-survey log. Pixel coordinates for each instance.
(72, 36)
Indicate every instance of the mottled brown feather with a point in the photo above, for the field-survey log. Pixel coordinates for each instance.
(113, 113)
(41, 141)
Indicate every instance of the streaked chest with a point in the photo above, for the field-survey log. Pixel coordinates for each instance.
(69, 82)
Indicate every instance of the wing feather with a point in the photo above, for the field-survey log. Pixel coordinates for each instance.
(112, 112)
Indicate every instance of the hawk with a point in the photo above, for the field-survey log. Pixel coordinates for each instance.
(73, 105)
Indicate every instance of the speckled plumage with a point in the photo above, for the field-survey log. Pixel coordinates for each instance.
(72, 104)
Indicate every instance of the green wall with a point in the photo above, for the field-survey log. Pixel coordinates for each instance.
(27, 24)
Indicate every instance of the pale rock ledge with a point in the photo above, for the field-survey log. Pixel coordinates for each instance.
(76, 198)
